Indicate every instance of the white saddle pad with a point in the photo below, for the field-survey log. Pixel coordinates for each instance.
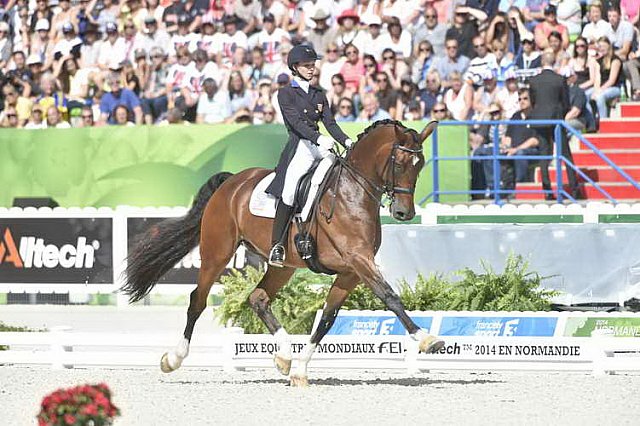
(264, 205)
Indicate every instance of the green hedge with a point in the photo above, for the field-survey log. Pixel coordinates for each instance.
(514, 289)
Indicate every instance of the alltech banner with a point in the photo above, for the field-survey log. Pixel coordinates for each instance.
(56, 250)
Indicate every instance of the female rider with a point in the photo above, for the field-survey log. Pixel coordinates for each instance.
(302, 107)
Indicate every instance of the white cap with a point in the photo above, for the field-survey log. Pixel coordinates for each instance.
(371, 19)
(34, 58)
(42, 24)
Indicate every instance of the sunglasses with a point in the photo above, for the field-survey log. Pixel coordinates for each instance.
(129, 27)
(332, 50)
(12, 115)
(523, 99)
(478, 45)
(425, 49)
(439, 110)
(268, 113)
(345, 106)
(430, 16)
(87, 116)
(494, 112)
(452, 47)
(36, 111)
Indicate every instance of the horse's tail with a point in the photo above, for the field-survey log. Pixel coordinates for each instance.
(164, 244)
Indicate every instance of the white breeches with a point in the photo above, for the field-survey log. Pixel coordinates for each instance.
(306, 154)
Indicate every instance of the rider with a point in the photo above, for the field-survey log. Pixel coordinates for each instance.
(302, 107)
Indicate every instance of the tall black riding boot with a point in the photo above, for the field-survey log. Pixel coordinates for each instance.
(280, 232)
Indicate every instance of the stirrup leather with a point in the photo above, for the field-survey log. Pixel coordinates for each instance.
(277, 255)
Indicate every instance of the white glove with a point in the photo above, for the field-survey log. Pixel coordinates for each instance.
(348, 143)
(325, 143)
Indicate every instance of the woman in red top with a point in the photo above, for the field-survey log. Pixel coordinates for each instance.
(353, 69)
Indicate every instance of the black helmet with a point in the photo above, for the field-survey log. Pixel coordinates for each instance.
(301, 53)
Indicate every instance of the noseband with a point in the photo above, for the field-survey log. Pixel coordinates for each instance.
(390, 188)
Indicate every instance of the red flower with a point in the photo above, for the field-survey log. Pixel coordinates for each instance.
(69, 419)
(90, 410)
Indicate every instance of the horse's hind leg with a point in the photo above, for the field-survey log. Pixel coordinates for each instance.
(260, 300)
(342, 286)
(212, 266)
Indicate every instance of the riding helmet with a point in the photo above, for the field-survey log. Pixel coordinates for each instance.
(301, 53)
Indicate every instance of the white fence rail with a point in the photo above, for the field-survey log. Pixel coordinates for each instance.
(231, 351)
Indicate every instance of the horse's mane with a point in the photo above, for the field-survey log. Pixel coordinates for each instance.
(385, 122)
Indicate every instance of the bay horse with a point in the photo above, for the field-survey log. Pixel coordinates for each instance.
(386, 159)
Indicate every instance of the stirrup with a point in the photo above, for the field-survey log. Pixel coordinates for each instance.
(277, 255)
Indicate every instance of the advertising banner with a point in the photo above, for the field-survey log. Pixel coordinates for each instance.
(619, 327)
(374, 324)
(165, 166)
(497, 326)
(185, 271)
(56, 250)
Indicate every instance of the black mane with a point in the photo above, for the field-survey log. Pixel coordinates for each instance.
(386, 121)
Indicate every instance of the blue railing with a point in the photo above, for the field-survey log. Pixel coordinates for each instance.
(557, 157)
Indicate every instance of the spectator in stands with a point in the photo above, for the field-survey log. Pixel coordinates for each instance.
(368, 80)
(463, 31)
(597, 27)
(41, 44)
(20, 77)
(367, 8)
(230, 40)
(630, 10)
(632, 71)
(259, 70)
(484, 62)
(485, 94)
(432, 30)
(505, 62)
(170, 16)
(348, 32)
(507, 96)
(422, 59)
(6, 46)
(352, 69)
(151, 36)
(154, 100)
(9, 118)
(86, 116)
(371, 111)
(36, 119)
(371, 44)
(482, 140)
(269, 40)
(330, 66)
(459, 97)
(407, 96)
(208, 37)
(113, 48)
(570, 15)
(582, 65)
(90, 49)
(118, 96)
(395, 68)
(338, 91)
(55, 120)
(533, 13)
(440, 112)
(121, 116)
(624, 33)
(51, 95)
(578, 116)
(432, 93)
(396, 39)
(528, 62)
(130, 79)
(62, 16)
(346, 111)
(249, 13)
(194, 10)
(387, 96)
(517, 31)
(549, 26)
(607, 86)
(561, 55)
(21, 104)
(269, 115)
(214, 106)
(239, 96)
(322, 34)
(74, 81)
(109, 13)
(452, 63)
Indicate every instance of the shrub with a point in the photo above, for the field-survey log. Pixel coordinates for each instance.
(81, 405)
(295, 306)
(4, 327)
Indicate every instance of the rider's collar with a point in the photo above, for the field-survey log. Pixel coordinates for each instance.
(298, 82)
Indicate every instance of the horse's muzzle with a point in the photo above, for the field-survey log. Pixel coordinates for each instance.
(402, 214)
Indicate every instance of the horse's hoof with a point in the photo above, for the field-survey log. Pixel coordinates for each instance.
(430, 344)
(164, 364)
(299, 381)
(282, 364)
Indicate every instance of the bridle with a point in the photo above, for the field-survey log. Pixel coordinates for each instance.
(389, 187)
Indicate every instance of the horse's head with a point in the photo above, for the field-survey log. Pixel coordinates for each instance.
(398, 161)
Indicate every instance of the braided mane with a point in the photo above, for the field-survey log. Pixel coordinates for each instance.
(385, 122)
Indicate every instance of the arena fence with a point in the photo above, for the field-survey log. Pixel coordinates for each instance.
(566, 341)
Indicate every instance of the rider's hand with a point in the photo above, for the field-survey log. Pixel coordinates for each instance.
(348, 143)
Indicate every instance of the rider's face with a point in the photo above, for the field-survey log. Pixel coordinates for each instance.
(306, 69)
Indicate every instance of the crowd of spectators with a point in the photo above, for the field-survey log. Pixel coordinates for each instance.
(107, 62)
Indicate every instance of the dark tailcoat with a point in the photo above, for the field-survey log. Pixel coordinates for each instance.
(301, 112)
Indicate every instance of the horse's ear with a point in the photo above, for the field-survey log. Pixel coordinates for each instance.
(428, 130)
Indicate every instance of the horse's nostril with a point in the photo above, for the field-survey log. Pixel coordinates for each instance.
(400, 215)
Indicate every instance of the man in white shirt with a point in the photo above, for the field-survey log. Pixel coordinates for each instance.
(270, 39)
(230, 40)
(214, 106)
(484, 63)
(623, 31)
(151, 36)
(433, 31)
(371, 44)
(597, 27)
(113, 48)
(248, 13)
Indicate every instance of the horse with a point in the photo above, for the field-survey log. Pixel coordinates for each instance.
(386, 159)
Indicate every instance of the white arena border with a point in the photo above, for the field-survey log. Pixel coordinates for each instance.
(231, 350)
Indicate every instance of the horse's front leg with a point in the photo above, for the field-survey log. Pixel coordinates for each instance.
(260, 301)
(342, 286)
(371, 276)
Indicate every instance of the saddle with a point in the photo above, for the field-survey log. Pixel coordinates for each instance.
(308, 193)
